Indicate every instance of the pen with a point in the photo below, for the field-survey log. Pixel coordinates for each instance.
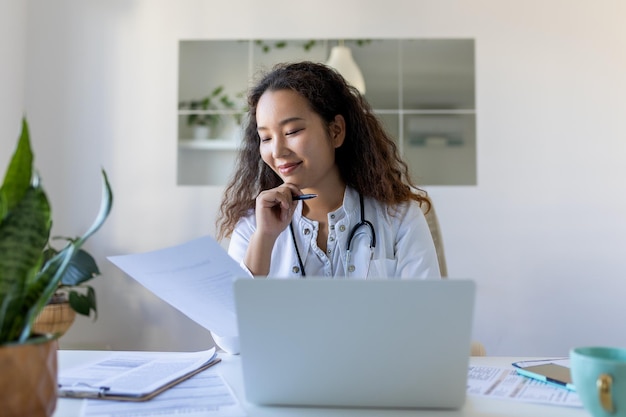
(546, 379)
(303, 197)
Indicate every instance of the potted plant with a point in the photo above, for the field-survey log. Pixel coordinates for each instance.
(72, 295)
(205, 114)
(27, 283)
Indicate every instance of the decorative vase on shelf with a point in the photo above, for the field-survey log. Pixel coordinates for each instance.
(201, 132)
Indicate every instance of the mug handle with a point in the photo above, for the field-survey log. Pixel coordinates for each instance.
(604, 384)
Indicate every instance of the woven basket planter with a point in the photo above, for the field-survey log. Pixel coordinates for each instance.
(55, 319)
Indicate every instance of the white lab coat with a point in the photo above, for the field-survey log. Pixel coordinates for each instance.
(404, 246)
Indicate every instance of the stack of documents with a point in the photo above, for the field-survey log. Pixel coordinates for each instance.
(133, 376)
(127, 379)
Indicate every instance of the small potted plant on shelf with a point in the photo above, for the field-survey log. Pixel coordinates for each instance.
(204, 115)
(28, 281)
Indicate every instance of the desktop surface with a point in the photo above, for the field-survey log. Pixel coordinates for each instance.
(230, 370)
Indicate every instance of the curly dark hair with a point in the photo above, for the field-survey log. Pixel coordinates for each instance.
(368, 159)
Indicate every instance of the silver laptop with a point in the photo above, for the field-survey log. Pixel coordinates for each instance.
(355, 343)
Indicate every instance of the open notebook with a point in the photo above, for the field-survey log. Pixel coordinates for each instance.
(333, 342)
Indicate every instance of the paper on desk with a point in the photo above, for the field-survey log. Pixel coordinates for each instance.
(205, 394)
(196, 278)
(506, 383)
(132, 374)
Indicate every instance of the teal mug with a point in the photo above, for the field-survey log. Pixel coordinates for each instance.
(599, 376)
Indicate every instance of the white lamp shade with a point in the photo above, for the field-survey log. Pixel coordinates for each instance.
(341, 59)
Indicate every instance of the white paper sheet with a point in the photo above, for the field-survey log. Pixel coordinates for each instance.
(205, 394)
(132, 374)
(196, 278)
(506, 383)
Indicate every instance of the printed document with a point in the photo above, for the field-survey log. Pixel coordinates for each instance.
(206, 395)
(196, 278)
(132, 376)
(506, 383)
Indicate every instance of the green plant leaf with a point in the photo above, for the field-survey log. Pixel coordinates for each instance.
(40, 291)
(24, 233)
(25, 222)
(309, 45)
(192, 119)
(91, 294)
(106, 202)
(84, 303)
(18, 174)
(227, 102)
(82, 267)
(217, 91)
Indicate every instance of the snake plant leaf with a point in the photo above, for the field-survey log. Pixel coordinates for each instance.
(106, 202)
(24, 233)
(25, 222)
(19, 173)
(40, 291)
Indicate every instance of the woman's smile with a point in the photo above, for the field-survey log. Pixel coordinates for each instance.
(288, 168)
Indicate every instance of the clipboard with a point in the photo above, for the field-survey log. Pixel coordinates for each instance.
(552, 371)
(84, 391)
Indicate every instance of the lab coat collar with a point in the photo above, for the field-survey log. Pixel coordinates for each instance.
(351, 202)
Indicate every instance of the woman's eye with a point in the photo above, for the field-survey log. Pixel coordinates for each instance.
(293, 132)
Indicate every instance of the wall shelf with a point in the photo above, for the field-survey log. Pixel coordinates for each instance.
(423, 90)
(209, 144)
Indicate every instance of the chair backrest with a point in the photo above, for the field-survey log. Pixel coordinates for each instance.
(435, 231)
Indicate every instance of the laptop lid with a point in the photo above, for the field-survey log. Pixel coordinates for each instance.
(355, 343)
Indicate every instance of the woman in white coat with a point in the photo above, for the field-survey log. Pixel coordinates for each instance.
(310, 134)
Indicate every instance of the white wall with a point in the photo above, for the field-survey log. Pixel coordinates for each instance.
(12, 63)
(543, 233)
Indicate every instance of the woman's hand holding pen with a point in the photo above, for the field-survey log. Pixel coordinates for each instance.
(274, 210)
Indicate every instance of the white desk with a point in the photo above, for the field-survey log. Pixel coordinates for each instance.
(230, 369)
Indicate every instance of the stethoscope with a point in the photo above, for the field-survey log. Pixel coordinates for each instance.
(361, 223)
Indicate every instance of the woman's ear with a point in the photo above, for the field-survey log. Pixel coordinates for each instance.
(338, 130)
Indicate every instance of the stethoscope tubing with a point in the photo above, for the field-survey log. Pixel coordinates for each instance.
(363, 222)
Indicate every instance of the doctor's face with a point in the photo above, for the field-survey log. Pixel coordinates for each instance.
(295, 142)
